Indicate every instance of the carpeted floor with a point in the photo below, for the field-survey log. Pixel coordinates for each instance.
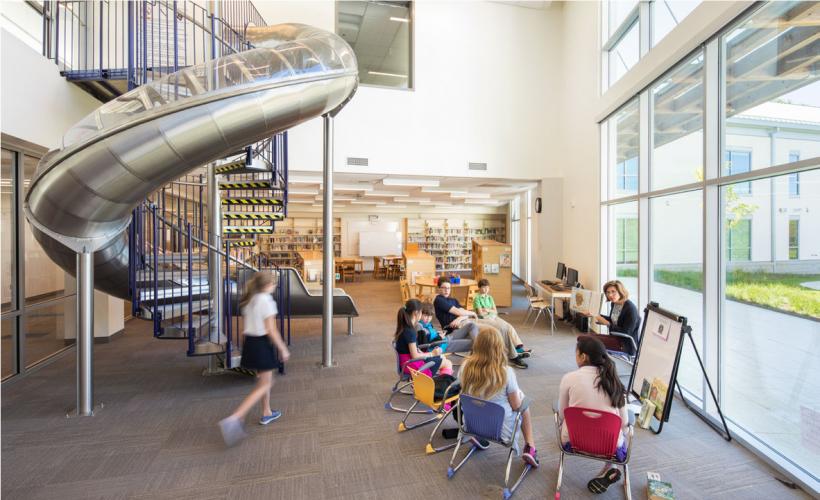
(156, 437)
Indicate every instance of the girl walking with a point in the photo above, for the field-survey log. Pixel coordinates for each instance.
(260, 338)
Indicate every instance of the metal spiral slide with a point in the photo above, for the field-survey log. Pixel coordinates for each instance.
(82, 196)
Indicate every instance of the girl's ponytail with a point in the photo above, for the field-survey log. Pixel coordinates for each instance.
(608, 380)
(404, 317)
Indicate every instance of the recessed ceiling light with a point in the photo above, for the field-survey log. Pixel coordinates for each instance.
(382, 73)
(395, 181)
(302, 191)
(470, 195)
(352, 187)
(387, 193)
(367, 202)
(441, 190)
(400, 19)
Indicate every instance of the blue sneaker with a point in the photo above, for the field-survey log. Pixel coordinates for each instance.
(266, 419)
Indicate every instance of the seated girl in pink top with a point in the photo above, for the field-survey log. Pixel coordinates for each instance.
(406, 340)
(594, 385)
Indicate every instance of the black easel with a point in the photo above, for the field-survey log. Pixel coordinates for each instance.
(667, 407)
(697, 411)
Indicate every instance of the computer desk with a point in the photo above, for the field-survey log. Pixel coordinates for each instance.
(549, 294)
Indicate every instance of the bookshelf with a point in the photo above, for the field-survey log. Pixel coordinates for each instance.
(493, 260)
(449, 241)
(298, 234)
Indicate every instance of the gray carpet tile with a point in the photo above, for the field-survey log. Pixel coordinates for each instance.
(156, 437)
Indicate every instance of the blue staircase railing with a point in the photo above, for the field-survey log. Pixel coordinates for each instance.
(106, 41)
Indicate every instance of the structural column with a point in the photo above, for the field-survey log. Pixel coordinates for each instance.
(214, 258)
(85, 333)
(328, 273)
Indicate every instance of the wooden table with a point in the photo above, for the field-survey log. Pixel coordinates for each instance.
(459, 291)
(356, 262)
(550, 294)
(389, 261)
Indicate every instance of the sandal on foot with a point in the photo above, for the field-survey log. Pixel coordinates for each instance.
(601, 483)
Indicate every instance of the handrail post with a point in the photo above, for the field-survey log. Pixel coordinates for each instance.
(189, 245)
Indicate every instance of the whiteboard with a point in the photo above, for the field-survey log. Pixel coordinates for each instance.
(379, 243)
(657, 355)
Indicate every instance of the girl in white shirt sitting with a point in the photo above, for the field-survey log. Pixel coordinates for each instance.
(595, 385)
(260, 338)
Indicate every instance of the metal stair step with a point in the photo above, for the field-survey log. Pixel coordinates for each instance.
(255, 184)
(180, 291)
(252, 201)
(242, 243)
(169, 311)
(177, 328)
(247, 230)
(176, 258)
(145, 277)
(253, 215)
(240, 166)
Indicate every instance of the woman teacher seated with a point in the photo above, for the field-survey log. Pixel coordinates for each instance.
(623, 318)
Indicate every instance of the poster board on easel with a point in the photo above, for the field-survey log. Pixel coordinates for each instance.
(655, 371)
(656, 363)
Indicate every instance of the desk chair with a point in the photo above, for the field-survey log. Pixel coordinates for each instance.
(404, 384)
(593, 435)
(485, 420)
(348, 270)
(405, 290)
(424, 392)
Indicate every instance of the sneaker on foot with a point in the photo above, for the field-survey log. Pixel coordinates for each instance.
(601, 483)
(480, 443)
(517, 363)
(266, 419)
(530, 456)
(522, 354)
(520, 349)
(232, 431)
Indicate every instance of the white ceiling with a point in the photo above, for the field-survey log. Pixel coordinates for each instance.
(366, 191)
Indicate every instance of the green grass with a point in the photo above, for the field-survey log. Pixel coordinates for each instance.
(777, 291)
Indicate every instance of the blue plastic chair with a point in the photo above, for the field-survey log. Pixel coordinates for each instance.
(485, 420)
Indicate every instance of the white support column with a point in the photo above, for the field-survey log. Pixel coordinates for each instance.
(713, 217)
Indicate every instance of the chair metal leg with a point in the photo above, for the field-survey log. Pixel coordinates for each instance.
(404, 426)
(451, 470)
(560, 474)
(627, 487)
(430, 449)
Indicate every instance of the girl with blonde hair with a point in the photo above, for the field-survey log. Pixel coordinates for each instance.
(260, 338)
(486, 375)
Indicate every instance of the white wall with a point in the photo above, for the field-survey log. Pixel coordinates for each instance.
(579, 149)
(485, 87)
(39, 106)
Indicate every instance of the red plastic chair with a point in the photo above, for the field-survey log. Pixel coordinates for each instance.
(593, 434)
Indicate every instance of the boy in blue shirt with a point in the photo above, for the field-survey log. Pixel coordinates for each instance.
(426, 324)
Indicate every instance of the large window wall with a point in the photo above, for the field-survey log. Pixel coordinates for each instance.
(723, 215)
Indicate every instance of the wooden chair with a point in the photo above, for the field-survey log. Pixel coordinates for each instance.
(471, 293)
(405, 290)
(348, 271)
(379, 272)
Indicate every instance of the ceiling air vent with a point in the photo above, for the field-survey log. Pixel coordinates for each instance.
(477, 166)
(359, 162)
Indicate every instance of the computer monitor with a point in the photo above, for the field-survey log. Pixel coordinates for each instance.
(559, 273)
(572, 276)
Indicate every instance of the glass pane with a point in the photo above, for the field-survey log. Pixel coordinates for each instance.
(8, 346)
(44, 279)
(666, 14)
(772, 104)
(771, 310)
(677, 128)
(624, 54)
(623, 246)
(618, 10)
(623, 136)
(7, 222)
(49, 329)
(379, 33)
(676, 247)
